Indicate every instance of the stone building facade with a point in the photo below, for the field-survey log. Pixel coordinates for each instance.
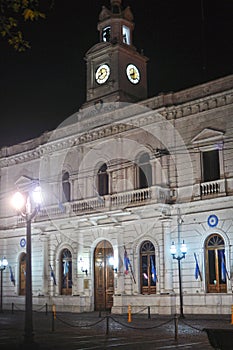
(122, 180)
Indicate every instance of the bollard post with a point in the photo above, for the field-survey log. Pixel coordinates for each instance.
(149, 312)
(129, 314)
(176, 327)
(54, 311)
(107, 325)
(12, 308)
(53, 316)
(46, 309)
(231, 314)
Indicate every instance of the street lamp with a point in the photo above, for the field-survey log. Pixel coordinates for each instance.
(3, 265)
(28, 204)
(181, 255)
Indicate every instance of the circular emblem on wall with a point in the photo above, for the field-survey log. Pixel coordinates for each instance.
(212, 220)
(22, 242)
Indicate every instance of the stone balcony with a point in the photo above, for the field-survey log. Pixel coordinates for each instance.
(212, 188)
(102, 204)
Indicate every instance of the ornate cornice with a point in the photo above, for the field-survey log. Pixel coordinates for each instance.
(124, 122)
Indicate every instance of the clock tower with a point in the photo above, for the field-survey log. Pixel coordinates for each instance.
(116, 71)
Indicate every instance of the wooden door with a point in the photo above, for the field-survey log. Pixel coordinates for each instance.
(216, 265)
(22, 275)
(104, 276)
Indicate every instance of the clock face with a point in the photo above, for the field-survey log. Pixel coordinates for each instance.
(102, 73)
(133, 73)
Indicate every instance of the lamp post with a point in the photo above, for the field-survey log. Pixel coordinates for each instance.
(179, 257)
(28, 205)
(3, 265)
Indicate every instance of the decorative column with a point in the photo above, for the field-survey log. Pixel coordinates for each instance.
(166, 224)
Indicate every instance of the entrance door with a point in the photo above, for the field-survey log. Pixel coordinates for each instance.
(104, 276)
(22, 274)
(216, 265)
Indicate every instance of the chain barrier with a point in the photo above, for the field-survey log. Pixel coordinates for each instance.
(135, 313)
(15, 307)
(41, 308)
(81, 326)
(109, 317)
(141, 328)
(193, 327)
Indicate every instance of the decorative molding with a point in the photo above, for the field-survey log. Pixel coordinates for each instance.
(131, 121)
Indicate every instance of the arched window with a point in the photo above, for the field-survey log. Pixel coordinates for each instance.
(66, 187)
(22, 274)
(144, 171)
(216, 273)
(103, 180)
(66, 272)
(148, 268)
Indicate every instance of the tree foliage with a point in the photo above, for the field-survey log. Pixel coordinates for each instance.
(12, 15)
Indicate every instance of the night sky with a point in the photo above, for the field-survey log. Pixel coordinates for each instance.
(43, 86)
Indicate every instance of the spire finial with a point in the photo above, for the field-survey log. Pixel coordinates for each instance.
(116, 2)
(116, 6)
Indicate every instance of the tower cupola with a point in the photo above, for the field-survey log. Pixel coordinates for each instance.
(116, 71)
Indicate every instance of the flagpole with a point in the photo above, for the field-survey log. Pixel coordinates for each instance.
(131, 269)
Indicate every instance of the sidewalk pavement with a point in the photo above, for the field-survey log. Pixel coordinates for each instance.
(96, 330)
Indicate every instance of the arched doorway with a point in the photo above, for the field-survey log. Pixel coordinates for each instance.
(66, 272)
(148, 268)
(104, 276)
(216, 273)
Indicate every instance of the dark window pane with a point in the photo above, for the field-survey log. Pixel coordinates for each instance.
(212, 271)
(66, 187)
(211, 169)
(103, 180)
(145, 173)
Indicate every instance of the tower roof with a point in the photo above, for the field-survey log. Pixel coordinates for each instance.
(116, 11)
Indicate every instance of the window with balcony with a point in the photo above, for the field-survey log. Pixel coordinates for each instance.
(148, 268)
(65, 187)
(210, 165)
(144, 171)
(103, 180)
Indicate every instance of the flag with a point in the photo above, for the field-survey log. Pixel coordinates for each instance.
(12, 278)
(128, 265)
(222, 265)
(153, 270)
(126, 262)
(66, 267)
(197, 269)
(52, 274)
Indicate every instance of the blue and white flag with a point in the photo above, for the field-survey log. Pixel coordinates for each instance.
(126, 262)
(197, 269)
(66, 267)
(153, 269)
(222, 265)
(12, 278)
(52, 274)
